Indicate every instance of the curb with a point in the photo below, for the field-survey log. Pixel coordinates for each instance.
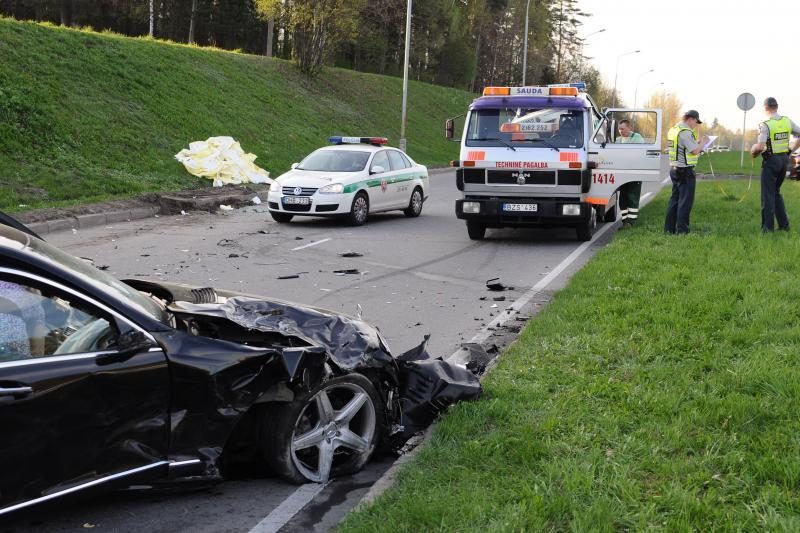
(93, 219)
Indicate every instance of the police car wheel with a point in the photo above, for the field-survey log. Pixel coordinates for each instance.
(281, 218)
(475, 231)
(359, 211)
(414, 204)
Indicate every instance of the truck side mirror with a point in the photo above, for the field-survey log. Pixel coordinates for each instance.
(449, 128)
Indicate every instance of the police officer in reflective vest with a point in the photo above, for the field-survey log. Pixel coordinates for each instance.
(684, 150)
(773, 145)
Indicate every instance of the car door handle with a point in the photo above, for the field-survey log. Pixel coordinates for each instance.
(16, 391)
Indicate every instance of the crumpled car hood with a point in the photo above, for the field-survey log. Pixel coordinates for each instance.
(426, 385)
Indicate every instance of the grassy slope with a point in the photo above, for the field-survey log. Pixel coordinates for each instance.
(729, 163)
(87, 116)
(659, 391)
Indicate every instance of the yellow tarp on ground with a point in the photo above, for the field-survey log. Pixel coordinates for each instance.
(222, 159)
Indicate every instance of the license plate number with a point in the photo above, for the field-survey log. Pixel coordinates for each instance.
(297, 200)
(521, 207)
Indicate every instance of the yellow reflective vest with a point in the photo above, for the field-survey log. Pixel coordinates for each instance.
(672, 144)
(779, 131)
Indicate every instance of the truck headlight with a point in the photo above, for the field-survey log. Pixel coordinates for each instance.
(571, 209)
(274, 186)
(471, 207)
(333, 188)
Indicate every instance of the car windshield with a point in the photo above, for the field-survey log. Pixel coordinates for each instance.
(335, 161)
(87, 271)
(525, 127)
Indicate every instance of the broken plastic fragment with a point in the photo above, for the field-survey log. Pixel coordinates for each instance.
(346, 271)
(351, 254)
(256, 200)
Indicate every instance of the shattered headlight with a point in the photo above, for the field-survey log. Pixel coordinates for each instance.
(333, 188)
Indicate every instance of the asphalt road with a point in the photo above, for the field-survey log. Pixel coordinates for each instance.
(416, 276)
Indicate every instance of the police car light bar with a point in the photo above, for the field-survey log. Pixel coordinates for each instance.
(376, 141)
(530, 91)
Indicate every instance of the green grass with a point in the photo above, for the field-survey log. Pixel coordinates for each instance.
(87, 116)
(728, 163)
(658, 391)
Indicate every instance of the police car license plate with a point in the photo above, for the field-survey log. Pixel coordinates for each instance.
(521, 207)
(297, 200)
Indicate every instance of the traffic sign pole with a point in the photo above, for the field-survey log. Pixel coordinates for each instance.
(745, 101)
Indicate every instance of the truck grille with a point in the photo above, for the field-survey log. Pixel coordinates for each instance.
(306, 191)
(529, 177)
(569, 177)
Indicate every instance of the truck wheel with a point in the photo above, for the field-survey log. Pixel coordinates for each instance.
(476, 231)
(280, 218)
(610, 214)
(586, 228)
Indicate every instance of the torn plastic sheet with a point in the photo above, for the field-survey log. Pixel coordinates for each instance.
(222, 160)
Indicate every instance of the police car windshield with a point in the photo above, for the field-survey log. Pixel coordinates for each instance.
(521, 127)
(335, 161)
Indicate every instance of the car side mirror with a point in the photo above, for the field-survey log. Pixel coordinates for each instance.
(449, 128)
(377, 169)
(295, 165)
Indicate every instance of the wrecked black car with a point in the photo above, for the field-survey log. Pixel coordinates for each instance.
(106, 384)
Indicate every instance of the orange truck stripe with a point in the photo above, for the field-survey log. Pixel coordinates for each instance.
(597, 201)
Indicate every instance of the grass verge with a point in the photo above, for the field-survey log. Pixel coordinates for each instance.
(86, 116)
(658, 391)
(728, 164)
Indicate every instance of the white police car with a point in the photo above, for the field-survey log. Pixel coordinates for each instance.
(352, 178)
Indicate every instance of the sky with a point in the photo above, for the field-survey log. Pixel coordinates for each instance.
(707, 52)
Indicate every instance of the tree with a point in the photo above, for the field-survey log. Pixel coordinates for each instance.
(671, 111)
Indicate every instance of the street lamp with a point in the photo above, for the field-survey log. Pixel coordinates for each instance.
(525, 44)
(593, 33)
(616, 72)
(636, 92)
(402, 144)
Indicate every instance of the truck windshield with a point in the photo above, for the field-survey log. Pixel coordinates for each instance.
(521, 127)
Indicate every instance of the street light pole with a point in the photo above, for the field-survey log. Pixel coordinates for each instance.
(616, 72)
(636, 92)
(402, 144)
(525, 45)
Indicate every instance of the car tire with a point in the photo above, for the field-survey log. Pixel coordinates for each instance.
(281, 218)
(475, 231)
(331, 431)
(414, 204)
(359, 210)
(587, 226)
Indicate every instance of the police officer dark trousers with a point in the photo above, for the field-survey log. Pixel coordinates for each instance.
(773, 145)
(684, 150)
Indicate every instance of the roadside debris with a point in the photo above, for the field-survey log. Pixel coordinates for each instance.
(224, 207)
(222, 160)
(495, 285)
(499, 298)
(289, 276)
(347, 271)
(256, 200)
(351, 254)
(227, 242)
(479, 356)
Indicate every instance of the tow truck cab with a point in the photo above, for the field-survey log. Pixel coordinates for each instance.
(548, 156)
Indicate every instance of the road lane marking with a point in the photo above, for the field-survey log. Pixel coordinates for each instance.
(311, 244)
(289, 507)
(459, 356)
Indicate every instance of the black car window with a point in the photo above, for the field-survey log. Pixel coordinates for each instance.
(397, 160)
(38, 321)
(382, 160)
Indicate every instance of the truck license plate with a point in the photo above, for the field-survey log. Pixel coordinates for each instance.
(520, 207)
(297, 200)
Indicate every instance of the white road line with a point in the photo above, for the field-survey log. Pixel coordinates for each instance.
(310, 244)
(289, 507)
(459, 356)
(646, 196)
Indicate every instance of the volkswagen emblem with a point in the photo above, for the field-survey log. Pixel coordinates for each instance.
(298, 191)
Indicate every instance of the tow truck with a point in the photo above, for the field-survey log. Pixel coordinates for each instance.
(548, 156)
